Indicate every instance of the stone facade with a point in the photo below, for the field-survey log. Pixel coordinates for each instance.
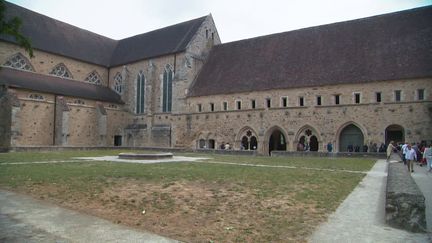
(263, 120)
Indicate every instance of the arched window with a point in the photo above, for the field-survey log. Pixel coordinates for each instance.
(140, 96)
(167, 89)
(18, 61)
(118, 83)
(248, 140)
(61, 71)
(94, 78)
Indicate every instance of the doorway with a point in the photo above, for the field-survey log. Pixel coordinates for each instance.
(350, 138)
(394, 133)
(277, 141)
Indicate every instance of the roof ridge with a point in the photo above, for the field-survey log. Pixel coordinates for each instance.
(187, 33)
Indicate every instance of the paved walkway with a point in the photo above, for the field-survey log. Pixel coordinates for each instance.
(23, 219)
(360, 218)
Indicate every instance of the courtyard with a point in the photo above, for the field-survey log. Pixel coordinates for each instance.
(218, 199)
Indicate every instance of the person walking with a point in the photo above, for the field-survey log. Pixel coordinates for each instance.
(404, 150)
(428, 155)
(410, 157)
(390, 149)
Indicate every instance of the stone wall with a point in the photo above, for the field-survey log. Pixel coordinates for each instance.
(74, 121)
(5, 119)
(405, 203)
(44, 62)
(325, 121)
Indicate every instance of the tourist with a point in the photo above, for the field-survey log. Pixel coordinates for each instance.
(390, 149)
(357, 148)
(404, 150)
(428, 155)
(365, 148)
(222, 146)
(410, 157)
(227, 146)
(329, 147)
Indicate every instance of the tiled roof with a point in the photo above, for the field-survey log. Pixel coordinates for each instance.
(50, 35)
(160, 42)
(386, 47)
(55, 85)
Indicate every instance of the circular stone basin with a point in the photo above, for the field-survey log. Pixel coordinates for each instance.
(145, 156)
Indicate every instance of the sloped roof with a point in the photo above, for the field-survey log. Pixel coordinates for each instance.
(386, 47)
(160, 42)
(50, 35)
(55, 85)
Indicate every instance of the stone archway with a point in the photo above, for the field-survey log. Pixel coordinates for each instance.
(313, 143)
(277, 141)
(394, 133)
(350, 137)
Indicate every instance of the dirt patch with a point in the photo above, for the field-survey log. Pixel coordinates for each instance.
(191, 211)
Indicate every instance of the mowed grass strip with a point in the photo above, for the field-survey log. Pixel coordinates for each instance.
(193, 202)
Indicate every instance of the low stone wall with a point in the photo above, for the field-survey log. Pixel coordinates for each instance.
(326, 154)
(405, 204)
(72, 148)
(228, 151)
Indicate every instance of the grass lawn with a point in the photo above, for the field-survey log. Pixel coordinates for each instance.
(189, 201)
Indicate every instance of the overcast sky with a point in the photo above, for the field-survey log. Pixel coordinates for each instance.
(235, 19)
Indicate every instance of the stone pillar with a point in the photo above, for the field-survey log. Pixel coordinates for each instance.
(61, 121)
(101, 124)
(5, 119)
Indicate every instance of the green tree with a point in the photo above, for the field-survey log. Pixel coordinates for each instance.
(12, 28)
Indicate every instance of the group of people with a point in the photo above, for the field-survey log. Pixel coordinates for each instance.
(411, 153)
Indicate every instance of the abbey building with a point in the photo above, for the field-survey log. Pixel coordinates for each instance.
(354, 83)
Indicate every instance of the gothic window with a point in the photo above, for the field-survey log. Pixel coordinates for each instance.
(140, 96)
(118, 83)
(61, 71)
(167, 89)
(18, 61)
(249, 141)
(307, 141)
(94, 78)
